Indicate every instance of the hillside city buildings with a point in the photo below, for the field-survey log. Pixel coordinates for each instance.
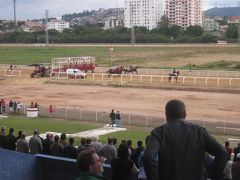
(184, 13)
(58, 24)
(146, 13)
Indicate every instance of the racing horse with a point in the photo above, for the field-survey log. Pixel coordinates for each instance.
(115, 70)
(173, 76)
(131, 69)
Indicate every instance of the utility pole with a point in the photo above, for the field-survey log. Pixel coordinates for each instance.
(46, 27)
(133, 32)
(15, 19)
(239, 22)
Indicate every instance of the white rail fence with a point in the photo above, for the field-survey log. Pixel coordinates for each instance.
(203, 73)
(123, 79)
(10, 72)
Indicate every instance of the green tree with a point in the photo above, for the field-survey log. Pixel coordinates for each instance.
(194, 30)
(232, 32)
(208, 38)
(163, 25)
(174, 31)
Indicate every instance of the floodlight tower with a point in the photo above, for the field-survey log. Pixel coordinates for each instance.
(239, 22)
(46, 27)
(133, 31)
(14, 8)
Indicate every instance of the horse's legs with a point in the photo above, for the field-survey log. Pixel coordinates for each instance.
(169, 79)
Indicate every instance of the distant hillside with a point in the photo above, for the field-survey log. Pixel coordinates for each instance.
(225, 11)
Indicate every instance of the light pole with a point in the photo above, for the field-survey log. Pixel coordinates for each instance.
(239, 22)
(132, 32)
(15, 19)
(46, 27)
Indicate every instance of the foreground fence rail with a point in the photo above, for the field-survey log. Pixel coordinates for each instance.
(226, 126)
(130, 78)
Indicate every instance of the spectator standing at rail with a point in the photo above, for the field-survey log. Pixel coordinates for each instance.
(22, 144)
(122, 166)
(50, 109)
(132, 150)
(236, 151)
(11, 140)
(236, 168)
(63, 139)
(15, 107)
(82, 144)
(112, 117)
(118, 119)
(138, 151)
(36, 105)
(47, 143)
(32, 105)
(19, 135)
(3, 140)
(56, 148)
(90, 166)
(35, 143)
(228, 149)
(108, 151)
(3, 104)
(96, 144)
(176, 149)
(70, 151)
(0, 107)
(18, 107)
(10, 106)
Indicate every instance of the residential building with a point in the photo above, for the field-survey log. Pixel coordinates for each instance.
(112, 23)
(184, 13)
(234, 20)
(146, 13)
(210, 25)
(58, 24)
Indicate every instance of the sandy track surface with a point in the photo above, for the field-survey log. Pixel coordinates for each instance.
(200, 105)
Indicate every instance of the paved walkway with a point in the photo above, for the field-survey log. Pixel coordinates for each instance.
(87, 134)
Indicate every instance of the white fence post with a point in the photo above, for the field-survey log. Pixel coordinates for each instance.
(146, 121)
(96, 116)
(129, 119)
(224, 127)
(121, 79)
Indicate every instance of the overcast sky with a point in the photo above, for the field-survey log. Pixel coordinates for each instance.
(35, 9)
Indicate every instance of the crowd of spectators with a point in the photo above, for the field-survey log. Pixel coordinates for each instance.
(177, 150)
(13, 106)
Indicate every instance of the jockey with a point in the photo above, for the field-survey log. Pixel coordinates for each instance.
(174, 71)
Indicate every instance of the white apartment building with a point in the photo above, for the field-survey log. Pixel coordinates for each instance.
(112, 23)
(59, 25)
(184, 13)
(145, 13)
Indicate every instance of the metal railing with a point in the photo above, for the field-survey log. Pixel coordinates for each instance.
(226, 126)
(125, 79)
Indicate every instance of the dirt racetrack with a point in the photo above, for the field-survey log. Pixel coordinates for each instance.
(200, 105)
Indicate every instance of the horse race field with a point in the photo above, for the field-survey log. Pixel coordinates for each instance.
(216, 105)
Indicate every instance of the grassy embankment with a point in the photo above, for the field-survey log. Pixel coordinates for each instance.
(217, 58)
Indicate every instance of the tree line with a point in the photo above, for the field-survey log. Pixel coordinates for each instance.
(96, 34)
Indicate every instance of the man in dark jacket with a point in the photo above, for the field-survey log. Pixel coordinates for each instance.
(176, 149)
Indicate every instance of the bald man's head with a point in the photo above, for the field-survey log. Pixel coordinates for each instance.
(175, 109)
